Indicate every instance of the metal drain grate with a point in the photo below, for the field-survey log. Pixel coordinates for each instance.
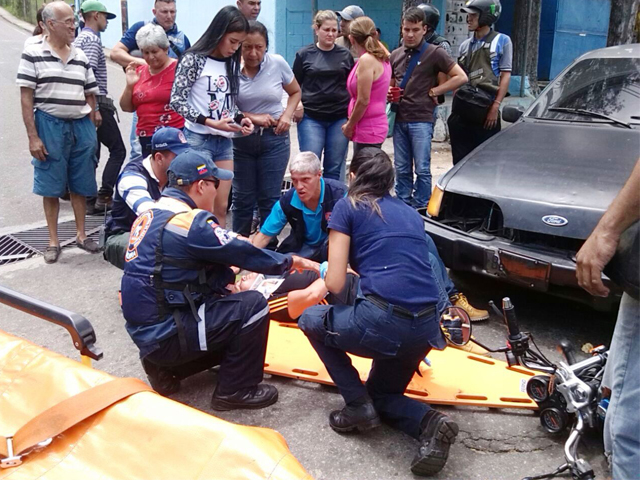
(22, 245)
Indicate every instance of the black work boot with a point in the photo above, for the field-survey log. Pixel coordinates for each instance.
(356, 416)
(258, 396)
(162, 379)
(438, 434)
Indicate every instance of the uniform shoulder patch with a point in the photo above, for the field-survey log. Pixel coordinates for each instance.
(224, 236)
(138, 231)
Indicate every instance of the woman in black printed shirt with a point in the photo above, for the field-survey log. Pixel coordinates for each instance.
(205, 92)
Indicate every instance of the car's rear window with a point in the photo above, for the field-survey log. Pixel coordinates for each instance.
(607, 86)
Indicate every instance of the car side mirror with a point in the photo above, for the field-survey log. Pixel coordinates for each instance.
(456, 325)
(512, 113)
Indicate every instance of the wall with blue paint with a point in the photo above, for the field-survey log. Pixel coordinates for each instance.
(293, 21)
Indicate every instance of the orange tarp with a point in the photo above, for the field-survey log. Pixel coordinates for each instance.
(145, 436)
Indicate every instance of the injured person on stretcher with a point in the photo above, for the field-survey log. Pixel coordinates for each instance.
(301, 290)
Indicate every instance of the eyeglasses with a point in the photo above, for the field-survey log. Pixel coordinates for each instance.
(214, 180)
(68, 23)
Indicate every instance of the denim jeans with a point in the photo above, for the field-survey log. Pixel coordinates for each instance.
(317, 136)
(622, 423)
(397, 345)
(412, 146)
(260, 162)
(446, 288)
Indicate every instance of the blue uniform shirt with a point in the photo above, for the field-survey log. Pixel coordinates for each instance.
(390, 254)
(175, 36)
(277, 220)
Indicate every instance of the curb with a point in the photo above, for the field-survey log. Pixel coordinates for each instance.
(28, 27)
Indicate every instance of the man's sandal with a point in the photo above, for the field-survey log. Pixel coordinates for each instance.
(51, 254)
(88, 245)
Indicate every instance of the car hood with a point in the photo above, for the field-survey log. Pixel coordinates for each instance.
(535, 169)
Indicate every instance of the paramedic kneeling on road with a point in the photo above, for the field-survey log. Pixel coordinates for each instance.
(395, 322)
(177, 266)
(306, 207)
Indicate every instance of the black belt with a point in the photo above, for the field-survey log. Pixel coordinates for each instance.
(400, 311)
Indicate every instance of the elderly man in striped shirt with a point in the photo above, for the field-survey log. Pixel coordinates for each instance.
(57, 93)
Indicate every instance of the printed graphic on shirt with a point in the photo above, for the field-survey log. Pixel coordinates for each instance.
(219, 91)
(138, 231)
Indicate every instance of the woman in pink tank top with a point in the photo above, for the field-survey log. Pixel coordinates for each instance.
(368, 84)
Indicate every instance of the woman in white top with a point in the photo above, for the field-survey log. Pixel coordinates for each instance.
(205, 92)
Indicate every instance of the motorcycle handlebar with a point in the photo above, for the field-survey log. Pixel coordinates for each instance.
(510, 318)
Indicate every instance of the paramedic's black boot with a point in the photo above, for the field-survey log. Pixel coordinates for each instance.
(355, 416)
(438, 434)
(162, 379)
(260, 396)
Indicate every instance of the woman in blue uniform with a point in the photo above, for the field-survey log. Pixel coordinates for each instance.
(395, 319)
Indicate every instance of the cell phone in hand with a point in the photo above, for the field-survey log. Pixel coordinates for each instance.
(238, 118)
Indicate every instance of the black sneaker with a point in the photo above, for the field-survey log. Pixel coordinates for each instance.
(162, 380)
(438, 434)
(252, 398)
(355, 418)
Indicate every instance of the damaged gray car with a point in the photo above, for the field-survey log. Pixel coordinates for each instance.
(520, 206)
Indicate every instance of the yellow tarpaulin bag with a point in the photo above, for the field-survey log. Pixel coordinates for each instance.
(136, 434)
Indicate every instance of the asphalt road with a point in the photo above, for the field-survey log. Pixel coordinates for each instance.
(493, 444)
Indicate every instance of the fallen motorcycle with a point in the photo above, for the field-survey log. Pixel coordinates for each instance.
(565, 392)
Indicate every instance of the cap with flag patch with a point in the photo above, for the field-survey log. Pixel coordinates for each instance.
(191, 166)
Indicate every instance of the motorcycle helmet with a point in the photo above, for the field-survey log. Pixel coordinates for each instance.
(489, 10)
(431, 15)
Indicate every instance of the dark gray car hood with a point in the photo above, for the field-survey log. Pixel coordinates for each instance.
(537, 168)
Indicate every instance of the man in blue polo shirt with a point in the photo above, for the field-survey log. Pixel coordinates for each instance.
(126, 51)
(306, 207)
(138, 187)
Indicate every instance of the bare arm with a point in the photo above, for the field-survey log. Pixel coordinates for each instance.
(260, 240)
(295, 94)
(36, 147)
(120, 55)
(299, 300)
(503, 88)
(456, 79)
(601, 245)
(91, 100)
(365, 73)
(339, 244)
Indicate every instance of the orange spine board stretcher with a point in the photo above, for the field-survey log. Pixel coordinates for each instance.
(145, 436)
(455, 377)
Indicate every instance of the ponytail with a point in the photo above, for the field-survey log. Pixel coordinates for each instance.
(363, 31)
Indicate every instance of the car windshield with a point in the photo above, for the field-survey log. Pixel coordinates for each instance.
(606, 87)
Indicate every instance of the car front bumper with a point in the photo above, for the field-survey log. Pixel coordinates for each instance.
(530, 267)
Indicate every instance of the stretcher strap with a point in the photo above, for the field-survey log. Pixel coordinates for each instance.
(64, 415)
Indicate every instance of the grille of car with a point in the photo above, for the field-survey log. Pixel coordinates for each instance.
(479, 215)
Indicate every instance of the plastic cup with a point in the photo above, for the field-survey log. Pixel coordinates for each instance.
(396, 93)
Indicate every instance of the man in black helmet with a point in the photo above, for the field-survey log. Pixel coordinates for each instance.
(486, 58)
(431, 20)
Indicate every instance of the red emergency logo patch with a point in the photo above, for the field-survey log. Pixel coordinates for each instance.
(138, 231)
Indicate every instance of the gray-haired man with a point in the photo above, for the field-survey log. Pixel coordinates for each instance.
(306, 207)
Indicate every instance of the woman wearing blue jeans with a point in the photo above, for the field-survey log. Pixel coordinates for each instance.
(205, 92)
(322, 69)
(260, 159)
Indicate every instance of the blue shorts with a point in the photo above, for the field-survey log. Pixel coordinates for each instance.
(216, 147)
(71, 162)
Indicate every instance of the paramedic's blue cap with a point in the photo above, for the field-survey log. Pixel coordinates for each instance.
(169, 138)
(351, 13)
(191, 166)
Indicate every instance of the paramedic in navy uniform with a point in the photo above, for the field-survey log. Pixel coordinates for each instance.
(174, 299)
(395, 319)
